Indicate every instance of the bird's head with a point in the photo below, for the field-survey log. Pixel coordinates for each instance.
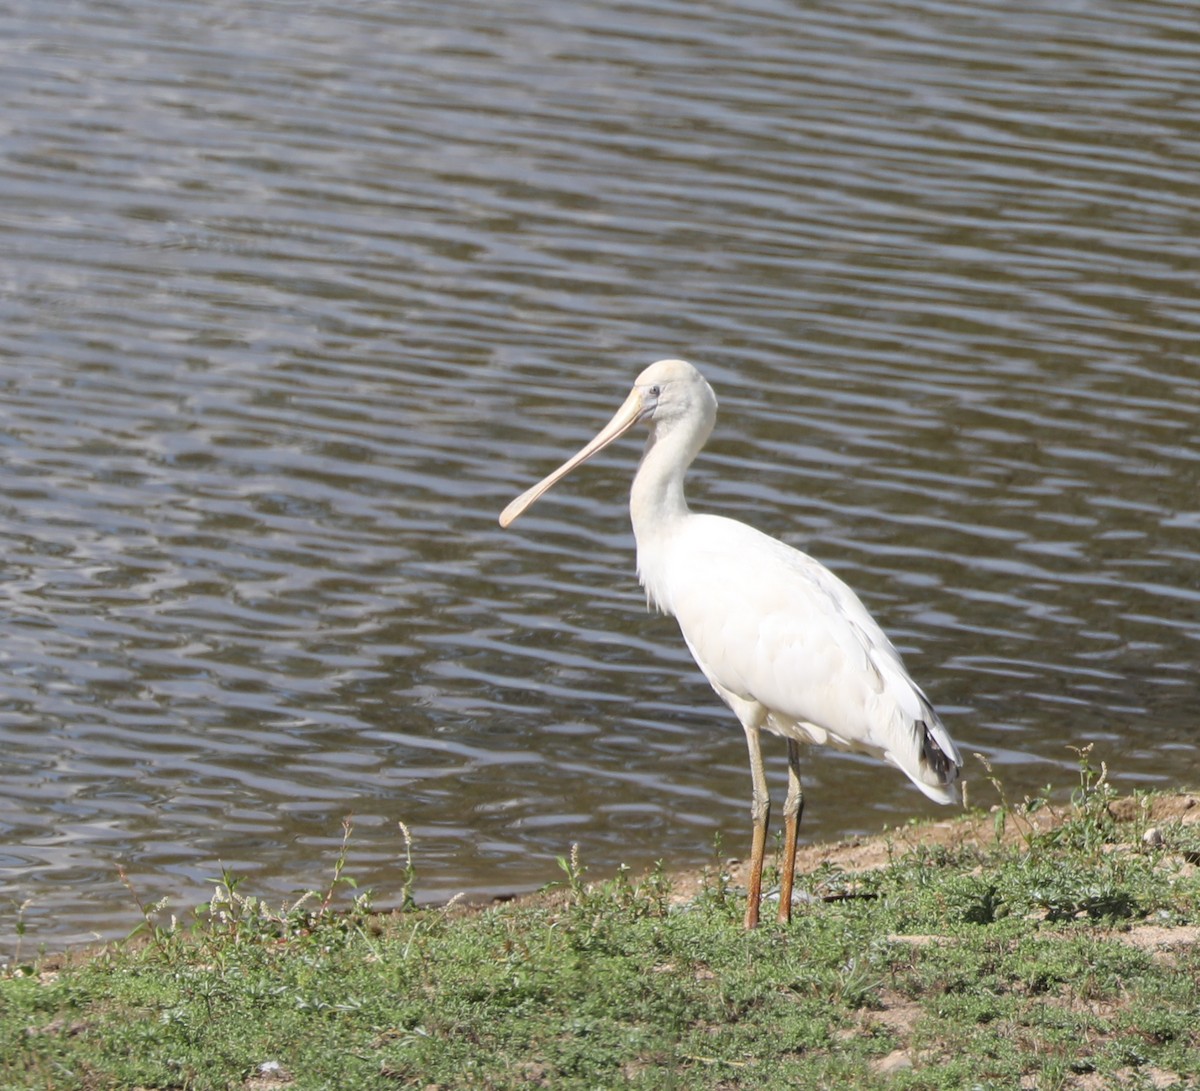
(670, 391)
(665, 395)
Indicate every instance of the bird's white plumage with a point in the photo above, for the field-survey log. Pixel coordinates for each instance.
(785, 643)
(783, 631)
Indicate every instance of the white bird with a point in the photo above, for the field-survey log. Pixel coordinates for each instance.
(784, 642)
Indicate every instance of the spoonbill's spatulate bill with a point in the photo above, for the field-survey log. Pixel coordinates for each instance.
(787, 645)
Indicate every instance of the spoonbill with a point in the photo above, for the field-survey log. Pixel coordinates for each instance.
(784, 642)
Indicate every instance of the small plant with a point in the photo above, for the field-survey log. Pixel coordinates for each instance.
(714, 888)
(656, 889)
(574, 871)
(985, 905)
(1091, 825)
(1019, 813)
(407, 900)
(1064, 898)
(1094, 794)
(160, 935)
(20, 930)
(232, 917)
(240, 917)
(1185, 841)
(339, 865)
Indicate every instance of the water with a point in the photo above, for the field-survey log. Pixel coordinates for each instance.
(295, 297)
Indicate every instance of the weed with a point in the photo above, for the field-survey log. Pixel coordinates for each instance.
(655, 889)
(858, 981)
(159, 934)
(1019, 813)
(20, 929)
(1183, 841)
(408, 901)
(574, 871)
(339, 866)
(983, 903)
(1092, 823)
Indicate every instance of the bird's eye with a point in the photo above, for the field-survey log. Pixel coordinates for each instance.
(655, 391)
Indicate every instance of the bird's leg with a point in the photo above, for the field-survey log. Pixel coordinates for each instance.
(760, 812)
(793, 809)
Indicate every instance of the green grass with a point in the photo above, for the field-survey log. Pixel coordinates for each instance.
(1062, 957)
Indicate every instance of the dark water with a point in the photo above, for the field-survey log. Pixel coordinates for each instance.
(296, 296)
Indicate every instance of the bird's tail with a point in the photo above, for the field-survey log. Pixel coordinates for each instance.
(939, 762)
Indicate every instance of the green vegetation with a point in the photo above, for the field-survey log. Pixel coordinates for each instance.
(1027, 948)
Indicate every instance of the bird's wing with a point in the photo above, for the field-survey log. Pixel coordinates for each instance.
(772, 625)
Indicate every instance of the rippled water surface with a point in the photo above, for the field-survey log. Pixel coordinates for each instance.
(295, 297)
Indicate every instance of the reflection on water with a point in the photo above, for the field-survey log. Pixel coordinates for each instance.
(295, 300)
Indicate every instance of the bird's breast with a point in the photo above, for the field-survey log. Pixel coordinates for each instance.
(654, 573)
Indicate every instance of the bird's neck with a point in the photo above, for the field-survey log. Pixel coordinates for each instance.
(658, 509)
(656, 499)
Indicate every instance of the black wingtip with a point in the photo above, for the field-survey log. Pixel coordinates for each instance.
(934, 758)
